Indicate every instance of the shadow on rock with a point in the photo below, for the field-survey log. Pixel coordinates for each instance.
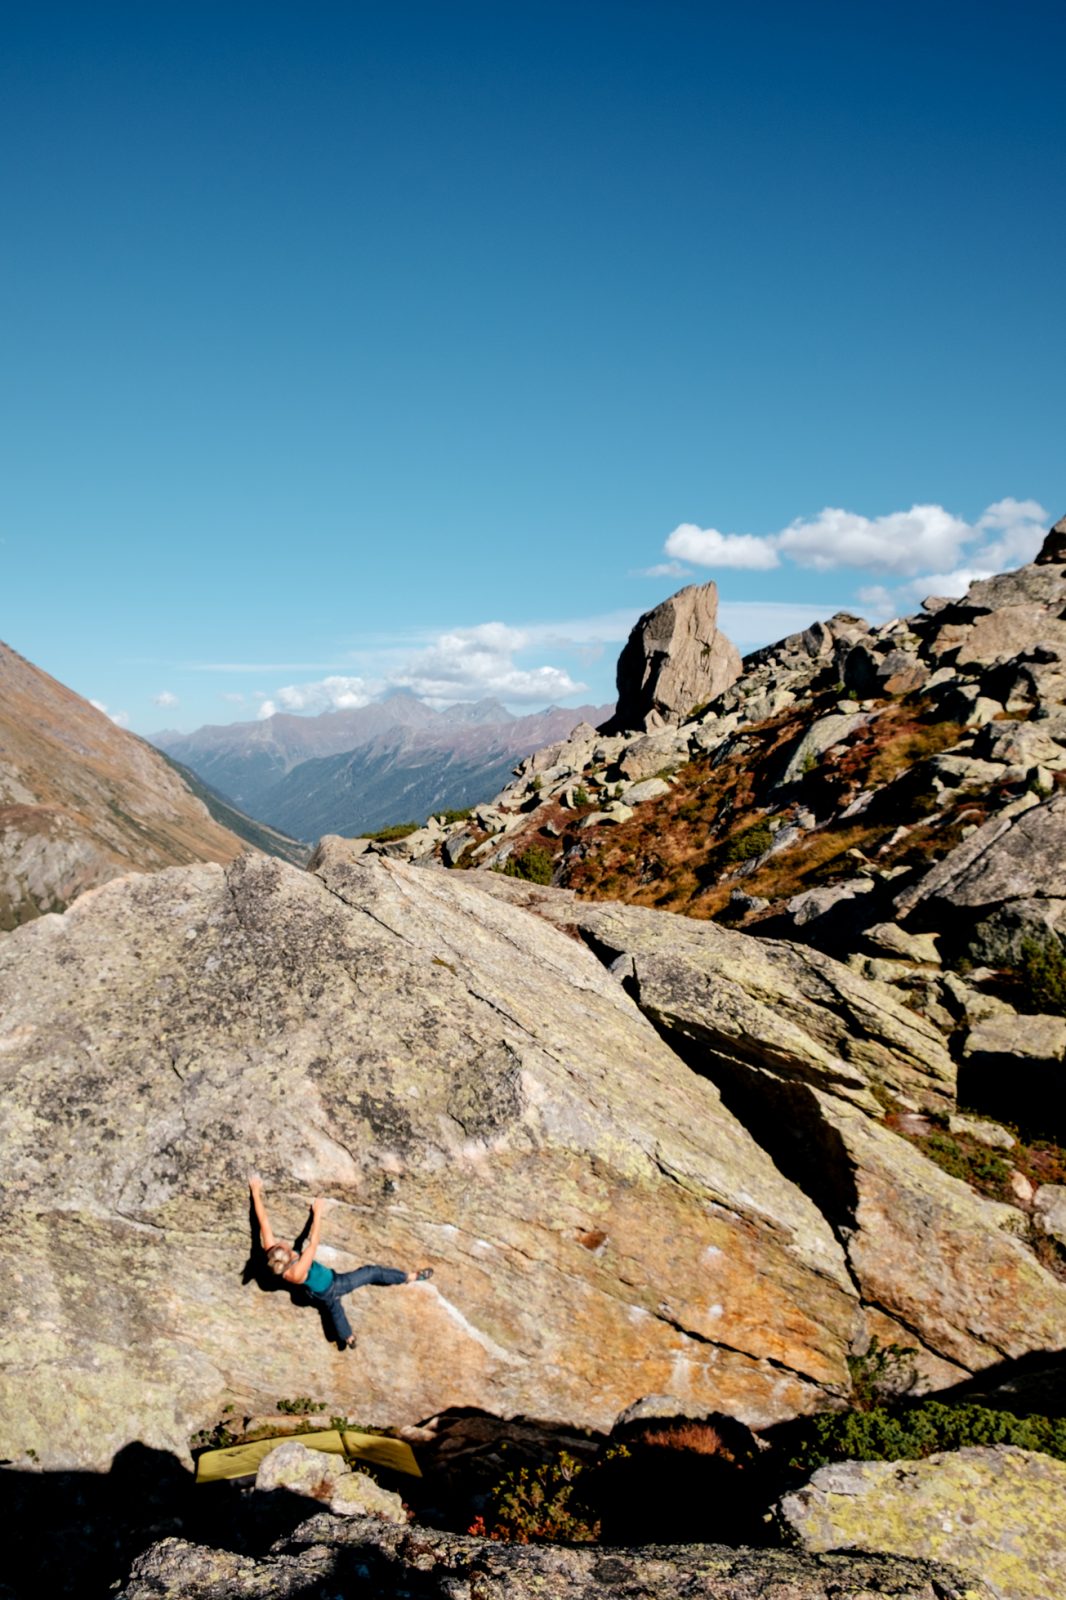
(92, 1525)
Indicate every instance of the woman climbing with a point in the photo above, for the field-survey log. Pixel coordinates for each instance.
(323, 1287)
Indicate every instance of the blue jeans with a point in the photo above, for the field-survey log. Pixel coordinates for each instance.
(343, 1283)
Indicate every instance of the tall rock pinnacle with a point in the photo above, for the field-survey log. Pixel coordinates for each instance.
(674, 659)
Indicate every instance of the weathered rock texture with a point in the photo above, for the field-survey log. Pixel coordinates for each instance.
(850, 778)
(674, 660)
(797, 1042)
(467, 1084)
(999, 1513)
(81, 801)
(326, 1557)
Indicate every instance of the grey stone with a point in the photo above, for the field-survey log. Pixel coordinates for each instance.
(1049, 1206)
(986, 1133)
(820, 737)
(331, 1556)
(650, 789)
(674, 659)
(996, 1512)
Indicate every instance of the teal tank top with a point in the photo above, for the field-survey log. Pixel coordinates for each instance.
(318, 1278)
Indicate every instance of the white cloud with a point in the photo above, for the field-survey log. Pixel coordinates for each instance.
(233, 698)
(327, 694)
(877, 602)
(472, 663)
(1015, 529)
(709, 548)
(665, 569)
(267, 709)
(902, 544)
(165, 698)
(119, 718)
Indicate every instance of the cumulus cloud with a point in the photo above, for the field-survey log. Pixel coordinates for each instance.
(165, 698)
(709, 548)
(465, 664)
(473, 663)
(901, 544)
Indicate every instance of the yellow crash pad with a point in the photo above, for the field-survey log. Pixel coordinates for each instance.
(242, 1460)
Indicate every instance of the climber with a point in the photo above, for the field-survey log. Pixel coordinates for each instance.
(324, 1287)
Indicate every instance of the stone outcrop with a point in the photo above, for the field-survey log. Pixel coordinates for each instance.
(82, 801)
(674, 660)
(762, 1003)
(997, 1513)
(327, 1556)
(292, 1468)
(468, 1086)
(796, 1042)
(933, 745)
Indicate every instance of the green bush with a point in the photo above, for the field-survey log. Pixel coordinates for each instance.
(398, 830)
(910, 1435)
(538, 1504)
(581, 795)
(881, 1372)
(534, 864)
(1043, 967)
(982, 1168)
(448, 817)
(746, 844)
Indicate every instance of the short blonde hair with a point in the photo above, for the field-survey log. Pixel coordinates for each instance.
(278, 1258)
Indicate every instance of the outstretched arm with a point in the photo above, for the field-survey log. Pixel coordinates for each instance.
(266, 1232)
(297, 1272)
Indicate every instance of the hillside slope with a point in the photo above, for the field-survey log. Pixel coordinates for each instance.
(82, 801)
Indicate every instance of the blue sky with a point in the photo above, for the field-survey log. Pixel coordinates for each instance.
(349, 346)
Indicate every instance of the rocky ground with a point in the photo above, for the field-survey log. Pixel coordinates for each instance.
(647, 1154)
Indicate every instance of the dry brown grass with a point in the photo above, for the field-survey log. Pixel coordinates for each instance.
(696, 1438)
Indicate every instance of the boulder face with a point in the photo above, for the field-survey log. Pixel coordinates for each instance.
(674, 660)
(998, 1513)
(328, 1555)
(82, 801)
(466, 1084)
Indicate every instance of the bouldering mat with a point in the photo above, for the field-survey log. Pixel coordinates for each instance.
(242, 1460)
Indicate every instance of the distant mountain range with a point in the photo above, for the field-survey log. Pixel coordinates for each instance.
(394, 760)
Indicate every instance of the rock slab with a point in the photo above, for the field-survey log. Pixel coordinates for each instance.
(327, 1557)
(997, 1512)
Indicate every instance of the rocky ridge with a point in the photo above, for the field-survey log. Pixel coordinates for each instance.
(890, 795)
(82, 801)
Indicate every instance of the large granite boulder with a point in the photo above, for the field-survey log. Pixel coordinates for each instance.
(326, 1557)
(469, 1087)
(998, 1513)
(797, 1042)
(726, 999)
(674, 660)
